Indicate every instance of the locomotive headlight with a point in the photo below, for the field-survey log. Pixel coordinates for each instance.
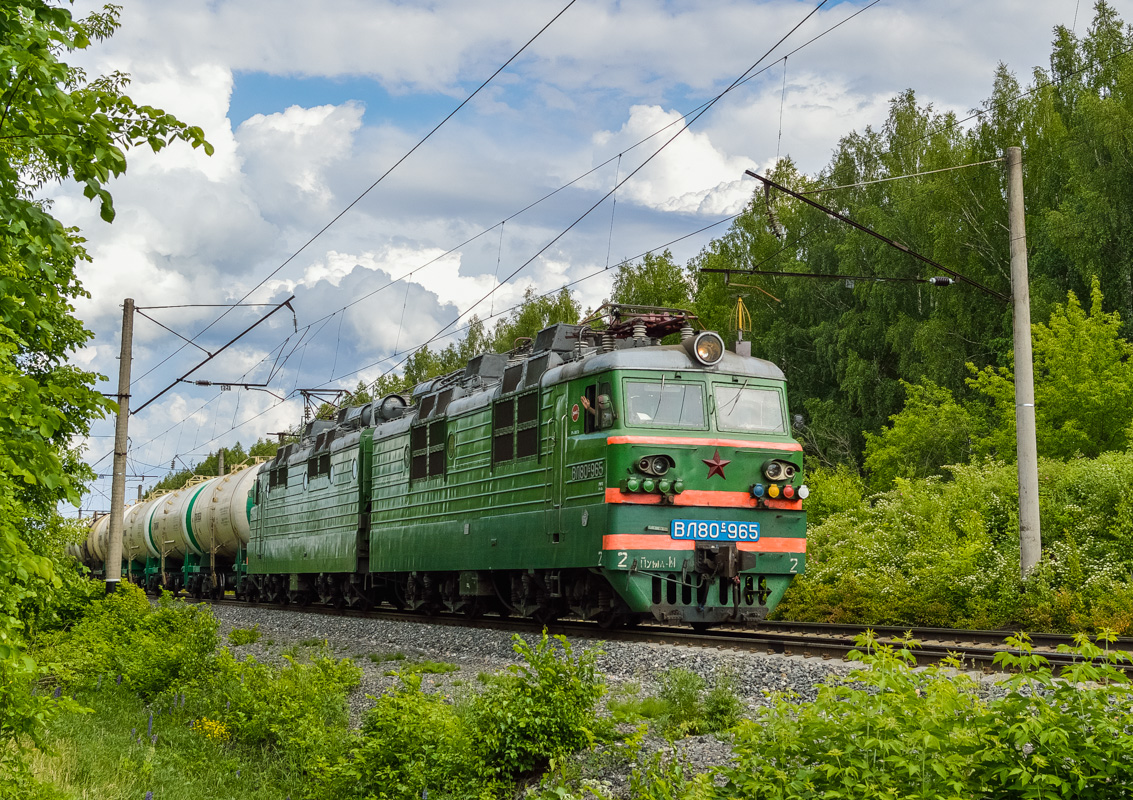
(706, 347)
(804, 492)
(654, 466)
(773, 470)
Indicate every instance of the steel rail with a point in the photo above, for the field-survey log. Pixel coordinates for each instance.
(974, 649)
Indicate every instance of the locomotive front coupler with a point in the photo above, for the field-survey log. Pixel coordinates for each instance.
(719, 559)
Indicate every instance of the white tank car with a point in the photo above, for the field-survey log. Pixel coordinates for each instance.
(219, 518)
(99, 538)
(170, 531)
(136, 542)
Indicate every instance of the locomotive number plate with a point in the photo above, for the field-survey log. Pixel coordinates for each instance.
(714, 531)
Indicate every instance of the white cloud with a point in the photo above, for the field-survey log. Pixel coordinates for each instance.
(690, 175)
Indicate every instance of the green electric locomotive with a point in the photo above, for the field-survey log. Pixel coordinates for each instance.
(591, 472)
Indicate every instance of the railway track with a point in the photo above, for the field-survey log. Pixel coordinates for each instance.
(976, 649)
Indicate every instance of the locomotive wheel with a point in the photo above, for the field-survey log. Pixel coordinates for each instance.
(609, 619)
(700, 627)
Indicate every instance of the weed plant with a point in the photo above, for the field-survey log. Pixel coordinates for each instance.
(151, 648)
(242, 636)
(890, 731)
(684, 704)
(381, 658)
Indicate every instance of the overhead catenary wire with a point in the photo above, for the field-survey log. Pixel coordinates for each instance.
(300, 345)
(632, 173)
(531, 205)
(294, 393)
(896, 177)
(859, 184)
(380, 178)
(601, 165)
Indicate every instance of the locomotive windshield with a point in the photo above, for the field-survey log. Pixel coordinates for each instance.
(745, 408)
(672, 405)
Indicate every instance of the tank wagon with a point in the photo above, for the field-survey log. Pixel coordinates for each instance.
(590, 472)
(191, 539)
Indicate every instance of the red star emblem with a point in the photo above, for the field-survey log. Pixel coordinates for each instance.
(716, 464)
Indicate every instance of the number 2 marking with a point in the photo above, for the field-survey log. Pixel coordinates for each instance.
(794, 565)
(623, 556)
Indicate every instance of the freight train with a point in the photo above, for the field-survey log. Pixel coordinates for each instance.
(592, 472)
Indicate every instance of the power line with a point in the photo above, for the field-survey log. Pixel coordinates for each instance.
(697, 111)
(628, 177)
(588, 173)
(900, 177)
(382, 177)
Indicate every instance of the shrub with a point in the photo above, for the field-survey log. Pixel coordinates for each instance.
(151, 647)
(293, 707)
(538, 709)
(411, 743)
(890, 731)
(946, 553)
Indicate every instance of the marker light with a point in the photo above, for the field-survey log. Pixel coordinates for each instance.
(664, 486)
(788, 491)
(757, 490)
(647, 485)
(678, 486)
(773, 490)
(633, 484)
(804, 492)
(706, 347)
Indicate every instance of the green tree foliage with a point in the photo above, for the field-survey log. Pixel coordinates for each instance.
(55, 124)
(931, 432)
(848, 349)
(656, 281)
(1083, 383)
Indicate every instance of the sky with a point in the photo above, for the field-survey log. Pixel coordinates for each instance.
(309, 104)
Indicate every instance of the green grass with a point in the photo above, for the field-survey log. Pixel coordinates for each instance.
(313, 643)
(424, 668)
(239, 636)
(381, 658)
(626, 703)
(99, 755)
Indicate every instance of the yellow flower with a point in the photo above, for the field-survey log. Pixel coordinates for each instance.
(214, 729)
